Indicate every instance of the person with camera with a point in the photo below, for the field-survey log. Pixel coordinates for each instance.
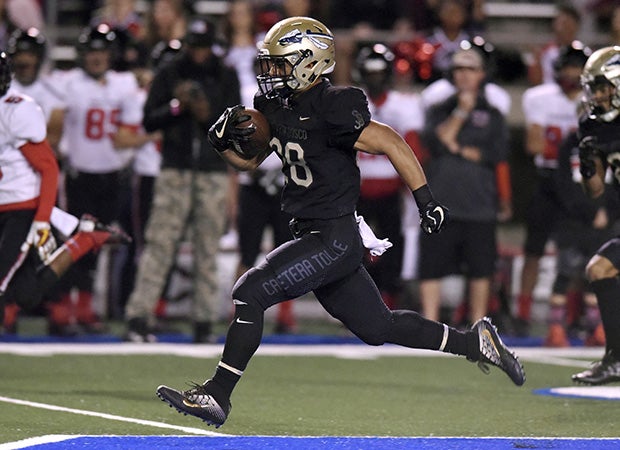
(190, 192)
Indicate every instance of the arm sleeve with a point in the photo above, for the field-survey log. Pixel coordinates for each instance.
(41, 157)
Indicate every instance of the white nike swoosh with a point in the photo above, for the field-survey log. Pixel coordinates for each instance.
(238, 302)
(304, 118)
(219, 133)
(440, 211)
(243, 321)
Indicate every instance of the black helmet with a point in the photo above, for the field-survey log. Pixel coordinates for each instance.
(373, 58)
(101, 37)
(5, 73)
(576, 54)
(200, 33)
(374, 66)
(163, 52)
(30, 40)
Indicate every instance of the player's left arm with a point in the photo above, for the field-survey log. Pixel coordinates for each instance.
(378, 138)
(41, 157)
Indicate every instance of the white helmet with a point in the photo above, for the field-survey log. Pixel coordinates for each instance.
(294, 53)
(602, 68)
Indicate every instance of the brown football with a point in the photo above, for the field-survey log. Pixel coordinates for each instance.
(259, 140)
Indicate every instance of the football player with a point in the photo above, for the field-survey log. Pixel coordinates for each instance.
(26, 49)
(317, 129)
(100, 107)
(550, 112)
(30, 263)
(599, 149)
(381, 201)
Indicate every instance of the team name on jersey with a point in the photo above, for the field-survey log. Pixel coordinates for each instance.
(287, 132)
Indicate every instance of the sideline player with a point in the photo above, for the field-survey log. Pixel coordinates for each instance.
(30, 263)
(317, 129)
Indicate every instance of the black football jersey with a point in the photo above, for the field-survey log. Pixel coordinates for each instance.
(608, 140)
(313, 134)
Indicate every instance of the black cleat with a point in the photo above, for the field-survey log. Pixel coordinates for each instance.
(494, 352)
(198, 402)
(604, 371)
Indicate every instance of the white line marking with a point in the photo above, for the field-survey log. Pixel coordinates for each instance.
(39, 440)
(148, 423)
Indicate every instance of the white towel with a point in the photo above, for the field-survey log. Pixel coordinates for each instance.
(376, 246)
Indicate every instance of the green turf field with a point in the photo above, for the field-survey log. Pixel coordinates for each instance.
(292, 395)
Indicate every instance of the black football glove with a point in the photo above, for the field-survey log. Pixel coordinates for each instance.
(588, 151)
(224, 133)
(433, 217)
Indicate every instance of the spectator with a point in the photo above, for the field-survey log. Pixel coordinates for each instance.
(550, 112)
(99, 106)
(468, 139)
(165, 22)
(381, 192)
(447, 36)
(191, 189)
(565, 29)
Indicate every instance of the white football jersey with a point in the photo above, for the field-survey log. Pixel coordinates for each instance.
(546, 105)
(43, 91)
(94, 111)
(401, 111)
(21, 121)
(147, 161)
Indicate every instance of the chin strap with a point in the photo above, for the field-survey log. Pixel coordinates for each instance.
(376, 246)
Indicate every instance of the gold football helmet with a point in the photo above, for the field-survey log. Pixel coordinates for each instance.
(294, 53)
(600, 80)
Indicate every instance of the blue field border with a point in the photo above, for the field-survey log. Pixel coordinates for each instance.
(326, 443)
(291, 339)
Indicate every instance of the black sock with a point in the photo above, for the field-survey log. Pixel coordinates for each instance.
(608, 296)
(243, 338)
(412, 330)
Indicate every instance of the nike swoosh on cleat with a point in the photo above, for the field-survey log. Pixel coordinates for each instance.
(243, 321)
(304, 118)
(219, 133)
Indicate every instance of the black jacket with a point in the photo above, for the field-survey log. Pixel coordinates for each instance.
(221, 87)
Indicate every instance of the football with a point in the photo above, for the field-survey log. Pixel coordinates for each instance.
(259, 140)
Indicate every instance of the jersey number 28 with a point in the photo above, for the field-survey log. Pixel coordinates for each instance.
(293, 154)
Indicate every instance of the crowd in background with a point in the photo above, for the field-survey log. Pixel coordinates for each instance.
(417, 80)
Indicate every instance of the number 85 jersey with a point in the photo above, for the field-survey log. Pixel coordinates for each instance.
(314, 134)
(93, 112)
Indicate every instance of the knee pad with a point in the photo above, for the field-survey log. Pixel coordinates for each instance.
(247, 290)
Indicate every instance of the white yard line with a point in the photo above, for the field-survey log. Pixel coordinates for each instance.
(148, 423)
(571, 357)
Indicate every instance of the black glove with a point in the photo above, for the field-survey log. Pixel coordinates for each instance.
(224, 133)
(588, 151)
(433, 217)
